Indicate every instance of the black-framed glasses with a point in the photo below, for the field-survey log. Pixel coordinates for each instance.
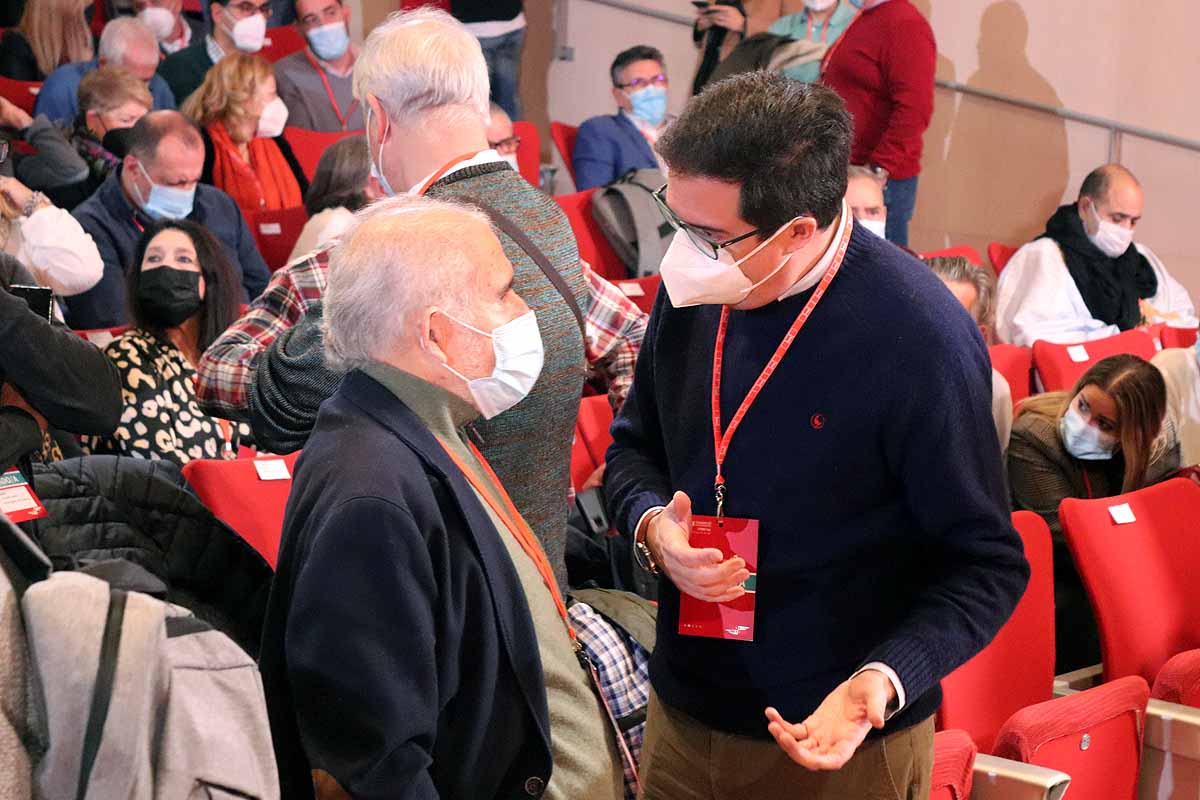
(243, 10)
(699, 239)
(506, 146)
(640, 83)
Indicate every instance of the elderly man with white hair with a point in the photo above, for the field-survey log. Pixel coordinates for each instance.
(423, 84)
(126, 42)
(416, 643)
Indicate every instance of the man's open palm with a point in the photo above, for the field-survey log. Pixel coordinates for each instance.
(832, 733)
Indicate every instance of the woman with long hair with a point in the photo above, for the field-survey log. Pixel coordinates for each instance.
(243, 118)
(183, 293)
(1105, 437)
(341, 185)
(51, 33)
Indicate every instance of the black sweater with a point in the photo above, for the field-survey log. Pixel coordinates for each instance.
(870, 460)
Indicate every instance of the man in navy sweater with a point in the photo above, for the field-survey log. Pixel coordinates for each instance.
(885, 551)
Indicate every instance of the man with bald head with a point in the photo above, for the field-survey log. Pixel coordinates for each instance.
(1085, 278)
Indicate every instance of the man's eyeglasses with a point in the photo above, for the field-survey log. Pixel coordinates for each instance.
(4, 146)
(506, 146)
(699, 239)
(243, 10)
(641, 83)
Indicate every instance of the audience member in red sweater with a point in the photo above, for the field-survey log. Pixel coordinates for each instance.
(883, 67)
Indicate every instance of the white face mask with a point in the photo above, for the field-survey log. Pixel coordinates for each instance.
(272, 120)
(1109, 238)
(1083, 440)
(694, 279)
(377, 165)
(159, 20)
(249, 33)
(519, 355)
(875, 226)
(820, 5)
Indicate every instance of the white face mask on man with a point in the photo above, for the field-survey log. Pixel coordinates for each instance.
(693, 278)
(248, 34)
(519, 353)
(1110, 238)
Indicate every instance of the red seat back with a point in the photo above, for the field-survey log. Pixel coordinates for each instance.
(593, 247)
(1017, 668)
(1140, 576)
(1016, 365)
(529, 151)
(276, 231)
(999, 254)
(1061, 365)
(22, 94)
(1179, 680)
(1094, 736)
(102, 336)
(591, 438)
(966, 251)
(564, 139)
(953, 766)
(235, 494)
(309, 145)
(1178, 337)
(281, 42)
(641, 291)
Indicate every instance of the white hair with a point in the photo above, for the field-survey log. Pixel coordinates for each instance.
(402, 256)
(120, 35)
(420, 61)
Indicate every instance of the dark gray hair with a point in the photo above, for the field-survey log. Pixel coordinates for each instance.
(1098, 181)
(148, 133)
(956, 269)
(341, 177)
(785, 142)
(639, 52)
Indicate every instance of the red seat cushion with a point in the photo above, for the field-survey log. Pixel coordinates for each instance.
(564, 140)
(1061, 365)
(22, 94)
(276, 232)
(593, 246)
(999, 254)
(1140, 576)
(953, 766)
(1178, 337)
(641, 291)
(1017, 668)
(235, 494)
(529, 152)
(281, 42)
(1016, 365)
(1179, 680)
(1094, 736)
(308, 145)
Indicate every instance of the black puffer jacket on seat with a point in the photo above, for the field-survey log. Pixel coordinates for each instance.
(115, 507)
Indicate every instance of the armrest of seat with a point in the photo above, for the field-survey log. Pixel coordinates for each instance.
(1078, 680)
(1172, 728)
(1001, 779)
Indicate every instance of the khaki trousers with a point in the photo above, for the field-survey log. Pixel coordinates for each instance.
(683, 759)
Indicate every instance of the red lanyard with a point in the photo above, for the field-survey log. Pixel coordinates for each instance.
(833, 48)
(721, 441)
(1087, 482)
(516, 524)
(824, 29)
(449, 165)
(329, 92)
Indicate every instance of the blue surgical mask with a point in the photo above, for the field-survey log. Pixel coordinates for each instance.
(1082, 440)
(165, 202)
(377, 171)
(330, 41)
(649, 104)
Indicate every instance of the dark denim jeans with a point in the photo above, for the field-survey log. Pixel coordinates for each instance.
(900, 197)
(503, 54)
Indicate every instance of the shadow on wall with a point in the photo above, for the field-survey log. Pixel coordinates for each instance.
(928, 224)
(1005, 168)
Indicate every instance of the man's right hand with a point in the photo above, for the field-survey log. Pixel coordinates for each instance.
(699, 572)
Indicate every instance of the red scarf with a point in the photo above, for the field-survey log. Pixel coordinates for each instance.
(267, 182)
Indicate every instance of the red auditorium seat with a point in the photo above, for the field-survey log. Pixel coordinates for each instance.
(1016, 365)
(1017, 668)
(309, 145)
(953, 766)
(102, 336)
(22, 94)
(1178, 337)
(999, 254)
(1094, 736)
(1179, 680)
(564, 140)
(281, 42)
(236, 494)
(966, 251)
(1061, 365)
(641, 291)
(591, 437)
(593, 247)
(1140, 576)
(276, 232)
(529, 152)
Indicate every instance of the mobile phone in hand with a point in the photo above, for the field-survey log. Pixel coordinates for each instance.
(39, 299)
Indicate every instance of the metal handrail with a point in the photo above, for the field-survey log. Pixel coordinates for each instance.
(1115, 128)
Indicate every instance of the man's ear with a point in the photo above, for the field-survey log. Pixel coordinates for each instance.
(799, 233)
(434, 333)
(378, 117)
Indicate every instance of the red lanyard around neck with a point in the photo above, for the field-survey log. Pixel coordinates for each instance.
(721, 440)
(449, 165)
(342, 120)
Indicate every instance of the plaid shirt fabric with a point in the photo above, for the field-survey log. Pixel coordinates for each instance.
(615, 328)
(623, 667)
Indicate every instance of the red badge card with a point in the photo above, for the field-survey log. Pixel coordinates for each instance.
(735, 619)
(17, 500)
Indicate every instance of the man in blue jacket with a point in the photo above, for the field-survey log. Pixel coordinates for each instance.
(607, 147)
(159, 178)
(808, 458)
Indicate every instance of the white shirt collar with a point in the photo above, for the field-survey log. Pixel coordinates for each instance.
(814, 275)
(175, 45)
(482, 157)
(215, 51)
